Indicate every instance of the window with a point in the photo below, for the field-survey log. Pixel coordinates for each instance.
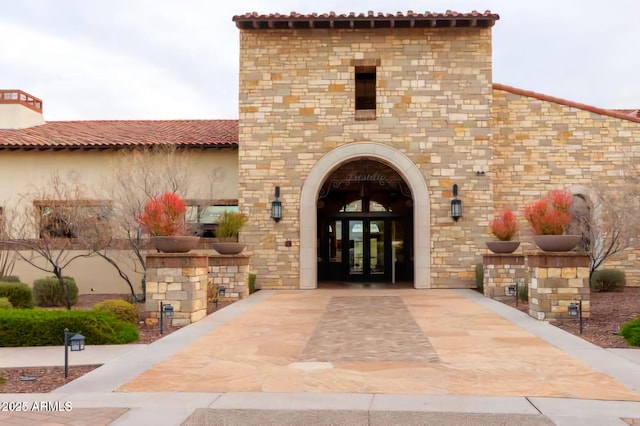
(72, 219)
(365, 88)
(202, 218)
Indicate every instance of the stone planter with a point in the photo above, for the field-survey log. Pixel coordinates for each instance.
(175, 243)
(502, 247)
(228, 247)
(557, 243)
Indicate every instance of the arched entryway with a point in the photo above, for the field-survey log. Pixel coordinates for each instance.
(365, 225)
(311, 191)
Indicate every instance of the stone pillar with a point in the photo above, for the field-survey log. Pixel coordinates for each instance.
(557, 280)
(179, 279)
(502, 270)
(230, 272)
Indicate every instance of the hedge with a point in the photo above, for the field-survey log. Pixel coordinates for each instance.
(19, 294)
(631, 332)
(48, 291)
(36, 327)
(604, 280)
(122, 309)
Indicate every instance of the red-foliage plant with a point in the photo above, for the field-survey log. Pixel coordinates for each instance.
(550, 215)
(504, 226)
(163, 215)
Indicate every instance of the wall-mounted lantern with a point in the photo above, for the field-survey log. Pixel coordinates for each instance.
(276, 206)
(456, 204)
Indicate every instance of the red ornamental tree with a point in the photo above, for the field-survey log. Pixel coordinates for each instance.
(504, 226)
(163, 215)
(550, 215)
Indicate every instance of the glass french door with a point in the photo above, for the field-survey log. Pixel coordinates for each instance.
(367, 255)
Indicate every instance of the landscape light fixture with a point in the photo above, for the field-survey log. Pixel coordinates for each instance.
(276, 206)
(166, 311)
(456, 204)
(75, 341)
(575, 310)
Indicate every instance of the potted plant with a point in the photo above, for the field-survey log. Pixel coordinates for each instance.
(227, 232)
(549, 218)
(504, 227)
(163, 219)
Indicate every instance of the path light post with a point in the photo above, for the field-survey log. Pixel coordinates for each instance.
(513, 291)
(76, 342)
(166, 311)
(575, 310)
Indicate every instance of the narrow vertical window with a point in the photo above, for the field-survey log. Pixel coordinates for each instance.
(365, 88)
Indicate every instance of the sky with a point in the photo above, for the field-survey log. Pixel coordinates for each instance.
(178, 59)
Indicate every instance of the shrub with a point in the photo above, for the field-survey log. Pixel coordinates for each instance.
(550, 215)
(631, 332)
(48, 291)
(604, 280)
(523, 293)
(252, 283)
(4, 303)
(164, 215)
(504, 226)
(10, 279)
(122, 309)
(19, 294)
(480, 277)
(36, 327)
(230, 225)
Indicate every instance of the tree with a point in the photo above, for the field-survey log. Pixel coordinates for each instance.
(49, 226)
(608, 222)
(138, 176)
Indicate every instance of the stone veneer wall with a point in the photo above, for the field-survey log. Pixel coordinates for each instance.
(232, 273)
(558, 279)
(541, 145)
(502, 270)
(179, 279)
(297, 104)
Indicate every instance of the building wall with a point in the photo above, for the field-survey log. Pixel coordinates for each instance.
(541, 145)
(297, 104)
(213, 176)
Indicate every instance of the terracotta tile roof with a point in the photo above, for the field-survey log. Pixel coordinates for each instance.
(631, 112)
(596, 110)
(121, 134)
(255, 21)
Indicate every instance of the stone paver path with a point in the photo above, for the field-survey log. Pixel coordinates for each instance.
(460, 348)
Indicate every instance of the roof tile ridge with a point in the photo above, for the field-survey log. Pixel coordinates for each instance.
(566, 102)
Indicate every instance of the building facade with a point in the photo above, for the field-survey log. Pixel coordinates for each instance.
(364, 127)
(366, 122)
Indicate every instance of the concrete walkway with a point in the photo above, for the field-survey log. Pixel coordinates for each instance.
(357, 356)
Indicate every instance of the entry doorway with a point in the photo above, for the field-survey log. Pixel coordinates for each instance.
(365, 225)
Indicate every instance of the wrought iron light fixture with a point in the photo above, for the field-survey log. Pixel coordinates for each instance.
(456, 204)
(276, 206)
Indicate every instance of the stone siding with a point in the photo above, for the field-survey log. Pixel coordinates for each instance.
(179, 280)
(556, 281)
(232, 273)
(541, 145)
(297, 104)
(501, 271)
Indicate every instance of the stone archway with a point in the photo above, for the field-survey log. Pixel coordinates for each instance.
(308, 202)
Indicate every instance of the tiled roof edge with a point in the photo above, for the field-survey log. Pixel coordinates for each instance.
(294, 20)
(565, 102)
